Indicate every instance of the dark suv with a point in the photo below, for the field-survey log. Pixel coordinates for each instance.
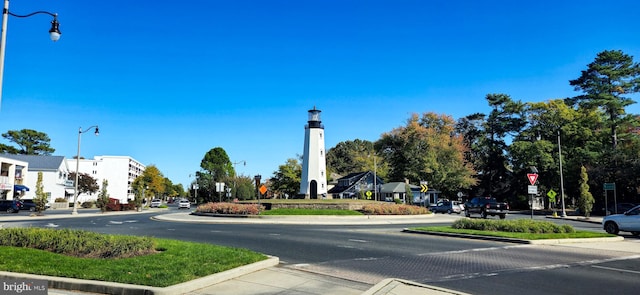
(10, 206)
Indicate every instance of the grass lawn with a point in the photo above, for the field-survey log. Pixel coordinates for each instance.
(514, 235)
(177, 262)
(297, 211)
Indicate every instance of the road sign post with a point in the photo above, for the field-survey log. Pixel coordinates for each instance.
(532, 189)
(610, 186)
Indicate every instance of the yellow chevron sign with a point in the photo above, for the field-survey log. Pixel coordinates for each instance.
(424, 188)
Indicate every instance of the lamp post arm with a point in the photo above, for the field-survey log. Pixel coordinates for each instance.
(87, 130)
(6, 10)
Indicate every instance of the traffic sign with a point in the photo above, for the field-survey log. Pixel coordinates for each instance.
(263, 189)
(609, 186)
(424, 188)
(532, 189)
(533, 177)
(552, 196)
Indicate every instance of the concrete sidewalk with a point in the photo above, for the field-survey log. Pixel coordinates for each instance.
(269, 278)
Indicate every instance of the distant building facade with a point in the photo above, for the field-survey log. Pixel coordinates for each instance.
(12, 177)
(119, 171)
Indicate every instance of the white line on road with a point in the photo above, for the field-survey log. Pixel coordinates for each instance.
(359, 241)
(473, 250)
(616, 269)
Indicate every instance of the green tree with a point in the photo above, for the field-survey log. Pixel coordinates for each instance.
(103, 197)
(244, 188)
(428, 148)
(606, 83)
(606, 86)
(408, 194)
(150, 184)
(170, 190)
(585, 202)
(216, 167)
(41, 198)
(486, 136)
(138, 187)
(537, 145)
(285, 182)
(31, 142)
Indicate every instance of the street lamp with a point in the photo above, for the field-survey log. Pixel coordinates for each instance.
(75, 198)
(564, 213)
(235, 177)
(54, 34)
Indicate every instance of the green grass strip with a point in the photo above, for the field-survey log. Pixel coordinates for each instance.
(514, 235)
(297, 211)
(178, 262)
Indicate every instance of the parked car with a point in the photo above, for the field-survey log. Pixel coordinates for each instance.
(10, 206)
(184, 203)
(620, 208)
(628, 221)
(30, 205)
(446, 206)
(486, 206)
(156, 203)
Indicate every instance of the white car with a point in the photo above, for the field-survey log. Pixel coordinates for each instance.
(184, 204)
(628, 221)
(156, 203)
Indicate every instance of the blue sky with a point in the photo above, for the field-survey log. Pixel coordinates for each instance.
(167, 81)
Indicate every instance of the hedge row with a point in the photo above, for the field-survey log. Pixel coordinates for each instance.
(393, 209)
(516, 226)
(230, 208)
(77, 243)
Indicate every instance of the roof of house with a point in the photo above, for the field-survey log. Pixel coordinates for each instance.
(38, 162)
(355, 177)
(393, 187)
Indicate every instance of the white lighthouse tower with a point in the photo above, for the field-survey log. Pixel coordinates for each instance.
(314, 163)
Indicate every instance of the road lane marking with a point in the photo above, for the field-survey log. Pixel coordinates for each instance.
(616, 269)
(473, 250)
(359, 241)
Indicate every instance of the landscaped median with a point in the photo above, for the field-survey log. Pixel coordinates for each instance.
(125, 260)
(516, 231)
(309, 207)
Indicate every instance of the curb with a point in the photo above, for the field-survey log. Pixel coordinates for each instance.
(517, 241)
(399, 286)
(103, 287)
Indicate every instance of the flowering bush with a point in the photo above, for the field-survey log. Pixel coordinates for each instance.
(230, 208)
(393, 209)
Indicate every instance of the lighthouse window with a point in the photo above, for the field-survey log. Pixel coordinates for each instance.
(320, 134)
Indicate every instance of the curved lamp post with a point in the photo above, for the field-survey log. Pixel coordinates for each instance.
(235, 178)
(54, 33)
(75, 192)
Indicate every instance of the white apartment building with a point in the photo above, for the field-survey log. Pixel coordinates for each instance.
(119, 171)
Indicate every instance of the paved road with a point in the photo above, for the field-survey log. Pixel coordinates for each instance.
(368, 253)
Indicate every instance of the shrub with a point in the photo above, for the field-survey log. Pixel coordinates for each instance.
(61, 200)
(393, 209)
(88, 204)
(516, 226)
(77, 242)
(230, 208)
